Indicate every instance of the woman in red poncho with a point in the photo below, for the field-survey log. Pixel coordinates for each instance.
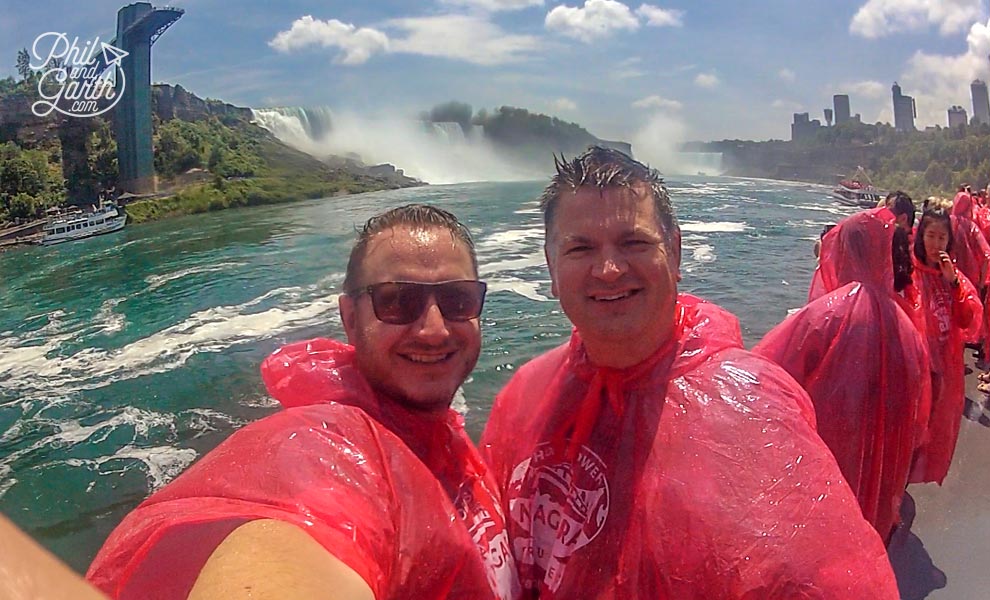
(952, 314)
(862, 360)
(971, 253)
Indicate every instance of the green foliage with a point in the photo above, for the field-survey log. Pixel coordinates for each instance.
(533, 137)
(103, 156)
(452, 112)
(7, 86)
(24, 65)
(228, 151)
(29, 183)
(936, 161)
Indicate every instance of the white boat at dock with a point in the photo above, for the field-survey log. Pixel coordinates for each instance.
(67, 224)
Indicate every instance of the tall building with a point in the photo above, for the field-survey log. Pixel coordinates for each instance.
(904, 110)
(828, 117)
(804, 128)
(841, 104)
(957, 116)
(981, 102)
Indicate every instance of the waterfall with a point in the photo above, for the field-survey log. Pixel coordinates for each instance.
(296, 126)
(431, 152)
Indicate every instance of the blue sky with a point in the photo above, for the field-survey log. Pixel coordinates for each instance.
(625, 70)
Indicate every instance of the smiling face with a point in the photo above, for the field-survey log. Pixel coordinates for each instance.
(419, 365)
(613, 273)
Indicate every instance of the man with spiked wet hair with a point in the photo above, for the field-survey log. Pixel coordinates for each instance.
(652, 456)
(366, 486)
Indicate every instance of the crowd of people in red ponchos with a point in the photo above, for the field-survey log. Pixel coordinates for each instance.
(880, 345)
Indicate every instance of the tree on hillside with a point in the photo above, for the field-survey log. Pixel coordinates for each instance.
(452, 112)
(24, 65)
(939, 175)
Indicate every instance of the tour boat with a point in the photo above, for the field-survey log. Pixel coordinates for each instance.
(857, 191)
(65, 225)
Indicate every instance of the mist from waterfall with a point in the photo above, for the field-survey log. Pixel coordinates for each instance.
(432, 152)
(658, 143)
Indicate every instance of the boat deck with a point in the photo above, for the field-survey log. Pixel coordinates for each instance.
(942, 548)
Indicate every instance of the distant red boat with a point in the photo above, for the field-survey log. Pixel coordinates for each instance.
(857, 191)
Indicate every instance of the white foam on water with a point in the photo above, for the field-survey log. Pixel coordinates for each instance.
(261, 402)
(106, 320)
(55, 322)
(459, 403)
(156, 281)
(204, 420)
(6, 481)
(811, 223)
(161, 463)
(511, 240)
(714, 227)
(515, 264)
(529, 211)
(38, 370)
(526, 289)
(71, 432)
(832, 210)
(704, 254)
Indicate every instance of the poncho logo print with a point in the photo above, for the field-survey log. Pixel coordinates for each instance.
(558, 506)
(486, 526)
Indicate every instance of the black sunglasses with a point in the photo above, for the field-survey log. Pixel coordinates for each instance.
(403, 302)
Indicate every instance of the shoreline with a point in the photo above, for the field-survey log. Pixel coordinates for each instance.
(206, 197)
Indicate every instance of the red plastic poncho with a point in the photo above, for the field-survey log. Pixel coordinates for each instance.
(865, 365)
(951, 316)
(693, 475)
(970, 250)
(375, 496)
(962, 205)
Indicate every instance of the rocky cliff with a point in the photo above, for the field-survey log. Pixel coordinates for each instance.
(174, 102)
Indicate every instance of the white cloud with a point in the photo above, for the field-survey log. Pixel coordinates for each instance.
(462, 37)
(657, 102)
(787, 75)
(627, 73)
(628, 68)
(939, 81)
(597, 19)
(706, 80)
(564, 105)
(356, 45)
(879, 18)
(495, 5)
(472, 39)
(869, 89)
(661, 17)
(786, 104)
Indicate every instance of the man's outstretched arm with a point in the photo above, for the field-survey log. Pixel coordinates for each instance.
(273, 559)
(29, 572)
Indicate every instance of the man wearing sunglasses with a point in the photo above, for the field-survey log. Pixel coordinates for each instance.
(652, 456)
(366, 486)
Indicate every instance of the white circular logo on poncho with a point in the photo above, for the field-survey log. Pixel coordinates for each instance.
(558, 507)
